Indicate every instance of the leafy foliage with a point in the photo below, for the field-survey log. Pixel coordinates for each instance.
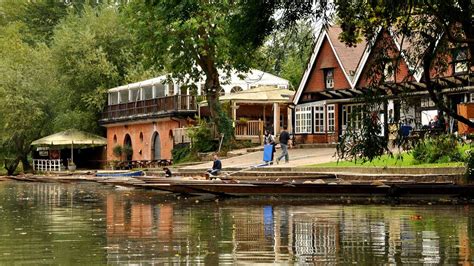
(285, 52)
(362, 140)
(440, 149)
(202, 137)
(470, 164)
(117, 151)
(24, 86)
(181, 153)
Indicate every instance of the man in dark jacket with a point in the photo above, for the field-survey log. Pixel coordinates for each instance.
(284, 143)
(216, 166)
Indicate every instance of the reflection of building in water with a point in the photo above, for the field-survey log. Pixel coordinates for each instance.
(251, 237)
(430, 247)
(165, 222)
(140, 220)
(393, 240)
(377, 237)
(50, 194)
(355, 235)
(464, 243)
(315, 239)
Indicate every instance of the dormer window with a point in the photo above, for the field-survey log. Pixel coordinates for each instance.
(329, 78)
(389, 72)
(460, 63)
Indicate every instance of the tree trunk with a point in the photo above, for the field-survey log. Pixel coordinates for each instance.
(213, 87)
(10, 165)
(25, 163)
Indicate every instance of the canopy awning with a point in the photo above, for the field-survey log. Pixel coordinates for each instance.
(263, 94)
(71, 137)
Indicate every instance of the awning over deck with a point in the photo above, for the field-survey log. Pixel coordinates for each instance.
(265, 94)
(71, 137)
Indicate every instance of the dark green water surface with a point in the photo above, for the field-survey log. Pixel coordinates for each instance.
(91, 224)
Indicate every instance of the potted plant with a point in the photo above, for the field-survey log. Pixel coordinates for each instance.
(127, 150)
(71, 166)
(117, 151)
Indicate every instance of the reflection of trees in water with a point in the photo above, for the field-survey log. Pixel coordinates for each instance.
(42, 223)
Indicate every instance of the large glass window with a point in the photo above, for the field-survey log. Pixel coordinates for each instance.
(352, 115)
(123, 96)
(113, 98)
(303, 119)
(460, 62)
(134, 95)
(319, 118)
(159, 90)
(331, 118)
(147, 92)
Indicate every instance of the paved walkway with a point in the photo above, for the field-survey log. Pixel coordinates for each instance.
(298, 157)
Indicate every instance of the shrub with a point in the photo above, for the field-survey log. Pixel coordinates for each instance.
(117, 151)
(441, 149)
(183, 153)
(201, 137)
(470, 164)
(127, 150)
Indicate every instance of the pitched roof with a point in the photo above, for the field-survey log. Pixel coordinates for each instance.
(349, 58)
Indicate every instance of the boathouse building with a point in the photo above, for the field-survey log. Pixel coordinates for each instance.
(143, 115)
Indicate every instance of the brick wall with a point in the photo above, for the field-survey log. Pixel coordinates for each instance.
(145, 144)
(325, 58)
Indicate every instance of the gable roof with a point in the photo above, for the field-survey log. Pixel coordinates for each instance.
(348, 57)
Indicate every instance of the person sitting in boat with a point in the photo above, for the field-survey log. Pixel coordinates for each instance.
(167, 172)
(216, 166)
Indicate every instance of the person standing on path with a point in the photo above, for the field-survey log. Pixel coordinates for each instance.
(269, 139)
(284, 143)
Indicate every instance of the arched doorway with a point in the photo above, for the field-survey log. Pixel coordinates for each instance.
(128, 150)
(156, 146)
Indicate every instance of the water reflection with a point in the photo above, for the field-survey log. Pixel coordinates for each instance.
(90, 224)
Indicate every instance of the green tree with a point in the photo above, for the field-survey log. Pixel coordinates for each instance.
(286, 52)
(24, 86)
(93, 51)
(195, 38)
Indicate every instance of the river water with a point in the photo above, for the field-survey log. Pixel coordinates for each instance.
(91, 224)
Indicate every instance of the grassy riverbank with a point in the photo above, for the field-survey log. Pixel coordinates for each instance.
(398, 160)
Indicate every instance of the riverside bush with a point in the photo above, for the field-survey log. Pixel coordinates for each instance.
(440, 149)
(201, 137)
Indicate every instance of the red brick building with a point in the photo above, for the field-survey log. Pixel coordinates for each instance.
(146, 115)
(337, 74)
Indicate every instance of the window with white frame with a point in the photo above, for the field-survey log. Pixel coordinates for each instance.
(352, 116)
(472, 98)
(460, 61)
(329, 78)
(331, 123)
(389, 71)
(170, 88)
(319, 118)
(123, 98)
(303, 119)
(113, 98)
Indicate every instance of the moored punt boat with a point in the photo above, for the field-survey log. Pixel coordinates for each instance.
(310, 189)
(119, 173)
